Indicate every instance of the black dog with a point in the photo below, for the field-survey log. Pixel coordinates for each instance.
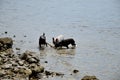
(65, 43)
(42, 40)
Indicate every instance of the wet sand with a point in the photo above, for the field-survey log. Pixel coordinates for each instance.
(93, 24)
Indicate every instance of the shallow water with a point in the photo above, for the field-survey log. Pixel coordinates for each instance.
(94, 24)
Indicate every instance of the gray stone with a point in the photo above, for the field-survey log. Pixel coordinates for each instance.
(5, 43)
(89, 78)
(21, 63)
(36, 68)
(32, 60)
(28, 71)
(2, 73)
(6, 66)
(30, 57)
(15, 70)
(1, 61)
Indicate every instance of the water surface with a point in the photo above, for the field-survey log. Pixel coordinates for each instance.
(94, 24)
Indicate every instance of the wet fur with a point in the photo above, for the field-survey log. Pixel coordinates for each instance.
(65, 43)
(58, 39)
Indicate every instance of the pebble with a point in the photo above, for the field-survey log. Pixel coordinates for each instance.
(75, 71)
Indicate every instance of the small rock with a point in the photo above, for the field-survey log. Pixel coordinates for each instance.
(1, 61)
(36, 68)
(17, 48)
(28, 71)
(6, 32)
(2, 73)
(15, 70)
(32, 60)
(6, 43)
(30, 57)
(21, 63)
(89, 78)
(14, 36)
(75, 71)
(46, 61)
(25, 36)
(6, 66)
(1, 44)
(15, 64)
(9, 52)
(40, 69)
(59, 74)
(48, 73)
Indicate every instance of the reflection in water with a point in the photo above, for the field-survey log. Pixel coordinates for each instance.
(51, 51)
(43, 52)
(66, 51)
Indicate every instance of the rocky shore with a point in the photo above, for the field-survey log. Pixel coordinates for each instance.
(25, 66)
